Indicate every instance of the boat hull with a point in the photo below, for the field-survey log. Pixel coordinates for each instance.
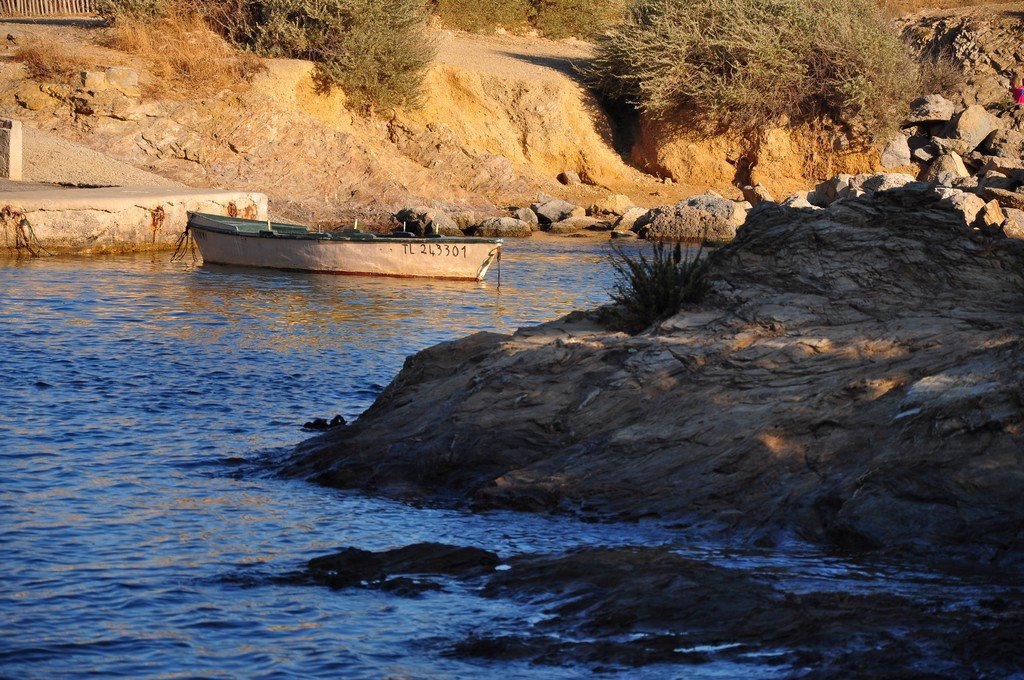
(438, 258)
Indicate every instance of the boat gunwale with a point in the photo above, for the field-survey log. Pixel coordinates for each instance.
(329, 237)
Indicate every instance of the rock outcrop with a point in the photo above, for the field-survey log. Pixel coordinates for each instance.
(852, 377)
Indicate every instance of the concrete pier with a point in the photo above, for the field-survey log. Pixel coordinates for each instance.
(10, 149)
(111, 219)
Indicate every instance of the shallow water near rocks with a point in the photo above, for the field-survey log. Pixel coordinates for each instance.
(137, 398)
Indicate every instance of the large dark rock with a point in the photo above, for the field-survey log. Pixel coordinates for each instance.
(851, 377)
(421, 221)
(552, 210)
(698, 218)
(352, 567)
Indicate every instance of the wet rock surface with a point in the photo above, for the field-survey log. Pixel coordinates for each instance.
(391, 569)
(609, 608)
(852, 378)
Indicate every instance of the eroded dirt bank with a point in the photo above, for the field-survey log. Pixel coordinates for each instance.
(852, 378)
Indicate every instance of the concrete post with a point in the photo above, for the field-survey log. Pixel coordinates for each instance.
(10, 149)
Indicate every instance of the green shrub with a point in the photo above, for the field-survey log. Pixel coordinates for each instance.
(647, 290)
(375, 50)
(483, 15)
(564, 18)
(553, 18)
(746, 63)
(112, 10)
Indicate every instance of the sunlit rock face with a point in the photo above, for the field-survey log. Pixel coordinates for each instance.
(852, 376)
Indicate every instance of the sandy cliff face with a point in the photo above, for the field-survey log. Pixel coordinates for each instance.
(498, 122)
(853, 377)
(500, 118)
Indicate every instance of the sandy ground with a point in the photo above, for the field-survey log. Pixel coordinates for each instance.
(513, 56)
(52, 159)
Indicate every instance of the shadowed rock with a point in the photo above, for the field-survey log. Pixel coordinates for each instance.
(352, 567)
(852, 376)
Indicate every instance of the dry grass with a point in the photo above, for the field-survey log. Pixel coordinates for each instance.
(897, 8)
(48, 61)
(180, 48)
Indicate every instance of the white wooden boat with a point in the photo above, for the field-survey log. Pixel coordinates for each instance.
(291, 247)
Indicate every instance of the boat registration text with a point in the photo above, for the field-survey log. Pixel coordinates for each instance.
(434, 249)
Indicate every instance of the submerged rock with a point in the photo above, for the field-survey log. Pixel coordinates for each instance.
(352, 567)
(851, 377)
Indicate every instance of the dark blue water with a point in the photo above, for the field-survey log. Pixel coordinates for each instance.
(135, 395)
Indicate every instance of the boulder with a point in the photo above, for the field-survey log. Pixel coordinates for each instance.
(757, 193)
(799, 200)
(943, 169)
(465, 219)
(1007, 199)
(503, 227)
(422, 220)
(572, 225)
(997, 180)
(923, 154)
(94, 81)
(945, 145)
(569, 178)
(882, 181)
(932, 108)
(896, 153)
(967, 203)
(825, 193)
(629, 218)
(32, 97)
(990, 217)
(739, 212)
(612, 204)
(698, 218)
(1005, 144)
(526, 215)
(1011, 167)
(556, 210)
(1013, 227)
(973, 125)
(122, 78)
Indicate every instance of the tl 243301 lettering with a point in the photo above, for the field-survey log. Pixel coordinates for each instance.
(434, 249)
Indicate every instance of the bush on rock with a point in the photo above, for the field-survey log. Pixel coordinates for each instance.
(647, 290)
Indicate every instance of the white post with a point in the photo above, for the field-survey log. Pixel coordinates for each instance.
(10, 149)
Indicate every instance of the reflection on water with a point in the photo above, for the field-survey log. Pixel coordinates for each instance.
(130, 388)
(132, 393)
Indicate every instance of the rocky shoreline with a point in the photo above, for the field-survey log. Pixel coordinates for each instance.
(615, 608)
(851, 379)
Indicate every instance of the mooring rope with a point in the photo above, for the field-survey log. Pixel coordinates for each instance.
(184, 244)
(24, 235)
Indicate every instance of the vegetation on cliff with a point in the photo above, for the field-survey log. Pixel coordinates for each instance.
(552, 18)
(746, 63)
(374, 50)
